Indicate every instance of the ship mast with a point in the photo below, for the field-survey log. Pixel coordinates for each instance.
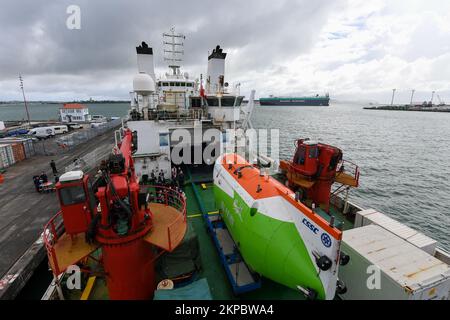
(173, 49)
(24, 100)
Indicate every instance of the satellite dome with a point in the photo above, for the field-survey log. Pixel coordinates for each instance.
(143, 83)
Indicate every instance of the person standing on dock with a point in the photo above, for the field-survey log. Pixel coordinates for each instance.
(53, 166)
(36, 182)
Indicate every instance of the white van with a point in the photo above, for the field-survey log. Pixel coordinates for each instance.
(42, 132)
(60, 129)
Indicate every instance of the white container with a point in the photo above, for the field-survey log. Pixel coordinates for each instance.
(404, 271)
(371, 216)
(6, 155)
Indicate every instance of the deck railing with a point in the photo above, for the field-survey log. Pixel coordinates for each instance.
(52, 231)
(165, 195)
(349, 168)
(173, 198)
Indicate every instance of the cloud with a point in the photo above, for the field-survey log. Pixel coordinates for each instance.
(350, 48)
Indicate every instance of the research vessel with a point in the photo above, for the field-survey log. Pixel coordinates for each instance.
(229, 228)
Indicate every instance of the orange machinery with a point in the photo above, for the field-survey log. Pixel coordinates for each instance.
(315, 167)
(115, 217)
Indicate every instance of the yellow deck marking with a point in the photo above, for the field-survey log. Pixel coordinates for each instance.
(203, 186)
(88, 289)
(195, 215)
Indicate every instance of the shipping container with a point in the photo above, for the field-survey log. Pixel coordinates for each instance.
(371, 216)
(18, 152)
(6, 154)
(384, 266)
(27, 143)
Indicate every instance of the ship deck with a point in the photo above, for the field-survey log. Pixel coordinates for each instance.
(24, 212)
(200, 198)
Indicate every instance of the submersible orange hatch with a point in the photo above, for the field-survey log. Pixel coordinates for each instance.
(110, 221)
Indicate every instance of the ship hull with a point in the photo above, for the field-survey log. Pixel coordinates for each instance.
(295, 102)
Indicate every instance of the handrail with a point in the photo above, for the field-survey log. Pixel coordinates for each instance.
(170, 197)
(354, 169)
(52, 230)
(173, 198)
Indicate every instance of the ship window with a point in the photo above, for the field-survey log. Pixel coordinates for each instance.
(159, 83)
(213, 102)
(196, 102)
(189, 84)
(177, 84)
(313, 152)
(165, 84)
(225, 137)
(72, 195)
(163, 139)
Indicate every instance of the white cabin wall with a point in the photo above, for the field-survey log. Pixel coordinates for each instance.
(148, 136)
(145, 64)
(216, 68)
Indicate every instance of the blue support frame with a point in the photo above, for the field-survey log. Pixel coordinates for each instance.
(226, 260)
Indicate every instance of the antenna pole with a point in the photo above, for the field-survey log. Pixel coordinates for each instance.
(412, 95)
(24, 99)
(174, 49)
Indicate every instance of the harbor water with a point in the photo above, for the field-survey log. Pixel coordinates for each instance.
(47, 111)
(403, 156)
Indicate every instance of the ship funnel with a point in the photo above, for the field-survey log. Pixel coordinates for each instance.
(145, 60)
(215, 78)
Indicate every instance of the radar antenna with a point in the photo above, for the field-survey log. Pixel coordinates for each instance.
(173, 49)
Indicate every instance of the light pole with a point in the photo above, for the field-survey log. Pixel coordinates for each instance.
(393, 94)
(412, 95)
(24, 100)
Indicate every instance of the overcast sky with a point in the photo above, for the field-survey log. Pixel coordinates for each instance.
(354, 49)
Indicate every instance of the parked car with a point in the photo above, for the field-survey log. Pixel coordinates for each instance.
(98, 118)
(76, 126)
(97, 124)
(17, 132)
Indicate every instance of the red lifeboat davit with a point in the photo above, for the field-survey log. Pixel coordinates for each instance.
(116, 224)
(314, 168)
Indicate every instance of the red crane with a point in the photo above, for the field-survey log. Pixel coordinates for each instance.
(116, 219)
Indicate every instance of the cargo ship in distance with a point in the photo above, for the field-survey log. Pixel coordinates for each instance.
(316, 100)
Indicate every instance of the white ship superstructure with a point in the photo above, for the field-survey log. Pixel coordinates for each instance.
(159, 106)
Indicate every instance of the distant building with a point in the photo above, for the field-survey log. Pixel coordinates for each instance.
(74, 112)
